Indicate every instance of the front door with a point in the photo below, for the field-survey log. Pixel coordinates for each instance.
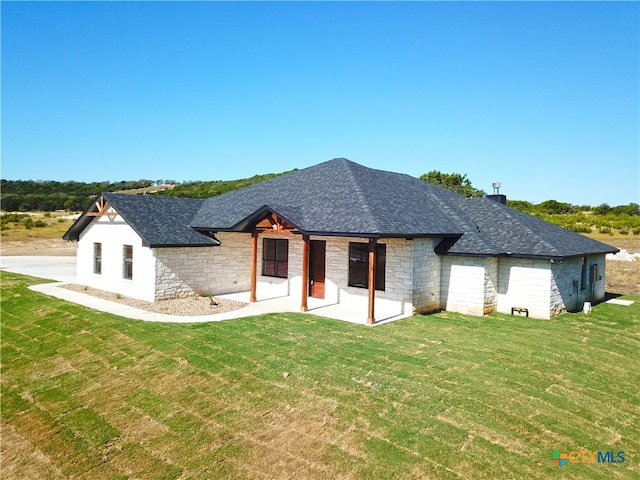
(316, 268)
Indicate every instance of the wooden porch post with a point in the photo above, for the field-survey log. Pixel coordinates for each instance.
(254, 265)
(305, 273)
(372, 280)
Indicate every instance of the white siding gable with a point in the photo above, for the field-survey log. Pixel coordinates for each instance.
(113, 233)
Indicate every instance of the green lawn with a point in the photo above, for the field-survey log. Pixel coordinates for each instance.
(91, 395)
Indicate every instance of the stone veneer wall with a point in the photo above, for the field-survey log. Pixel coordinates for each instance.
(490, 284)
(599, 288)
(426, 275)
(226, 269)
(214, 270)
(113, 233)
(269, 287)
(398, 273)
(567, 292)
(182, 271)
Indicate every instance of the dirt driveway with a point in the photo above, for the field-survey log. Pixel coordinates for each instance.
(45, 247)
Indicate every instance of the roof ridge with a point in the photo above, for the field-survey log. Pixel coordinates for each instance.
(348, 165)
(509, 212)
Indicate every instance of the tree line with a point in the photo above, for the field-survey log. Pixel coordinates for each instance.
(213, 188)
(578, 218)
(48, 196)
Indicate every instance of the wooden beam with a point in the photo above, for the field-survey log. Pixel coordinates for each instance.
(254, 265)
(104, 214)
(372, 280)
(275, 233)
(103, 206)
(305, 273)
(274, 223)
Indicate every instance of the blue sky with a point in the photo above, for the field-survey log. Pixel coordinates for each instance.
(543, 97)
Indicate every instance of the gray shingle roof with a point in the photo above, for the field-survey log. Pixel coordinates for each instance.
(502, 230)
(160, 221)
(340, 197)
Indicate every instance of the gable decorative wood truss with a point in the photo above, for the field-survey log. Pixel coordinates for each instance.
(274, 223)
(103, 209)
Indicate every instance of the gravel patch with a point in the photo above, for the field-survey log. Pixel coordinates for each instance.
(188, 306)
(623, 256)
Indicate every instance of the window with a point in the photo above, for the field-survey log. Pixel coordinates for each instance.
(594, 273)
(127, 264)
(97, 258)
(359, 265)
(275, 257)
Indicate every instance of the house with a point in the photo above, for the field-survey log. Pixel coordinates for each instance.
(346, 234)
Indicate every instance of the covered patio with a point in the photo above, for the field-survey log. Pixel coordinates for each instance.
(344, 312)
(267, 223)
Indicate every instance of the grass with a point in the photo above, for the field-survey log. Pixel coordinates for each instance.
(55, 226)
(92, 395)
(622, 276)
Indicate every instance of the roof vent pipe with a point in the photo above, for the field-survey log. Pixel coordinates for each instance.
(497, 197)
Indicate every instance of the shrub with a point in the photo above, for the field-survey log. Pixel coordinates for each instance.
(623, 231)
(28, 223)
(580, 228)
(13, 217)
(47, 214)
(39, 224)
(636, 231)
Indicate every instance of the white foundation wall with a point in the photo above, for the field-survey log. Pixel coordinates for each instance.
(182, 271)
(113, 233)
(463, 284)
(478, 286)
(524, 283)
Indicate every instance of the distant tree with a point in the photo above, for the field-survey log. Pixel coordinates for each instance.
(454, 182)
(630, 209)
(602, 209)
(10, 202)
(554, 207)
(521, 205)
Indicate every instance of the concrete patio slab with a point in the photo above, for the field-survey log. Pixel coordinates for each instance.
(63, 269)
(269, 305)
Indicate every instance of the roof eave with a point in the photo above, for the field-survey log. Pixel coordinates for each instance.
(82, 222)
(175, 245)
(322, 233)
(523, 255)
